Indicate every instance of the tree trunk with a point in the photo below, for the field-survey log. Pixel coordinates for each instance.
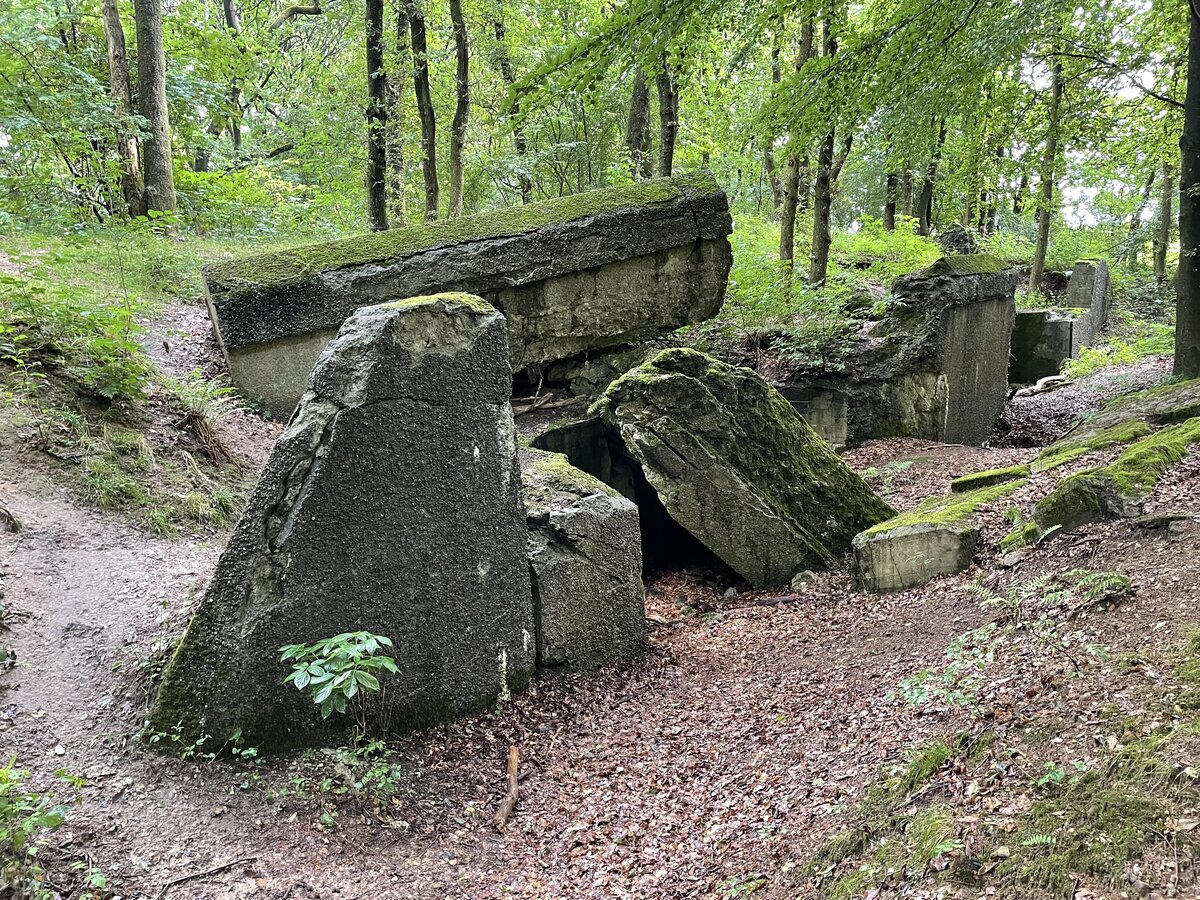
(397, 193)
(795, 190)
(768, 142)
(504, 58)
(462, 107)
(132, 188)
(787, 211)
(152, 105)
(1162, 239)
(1049, 161)
(1187, 302)
(924, 202)
(1129, 254)
(376, 119)
(891, 192)
(668, 119)
(416, 21)
(828, 169)
(637, 131)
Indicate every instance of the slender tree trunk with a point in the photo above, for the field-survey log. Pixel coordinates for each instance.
(787, 211)
(416, 21)
(504, 59)
(152, 105)
(397, 193)
(1187, 302)
(637, 131)
(376, 119)
(795, 188)
(668, 119)
(906, 192)
(1162, 240)
(462, 107)
(1129, 254)
(1049, 161)
(132, 188)
(828, 169)
(234, 25)
(768, 142)
(1021, 193)
(924, 201)
(891, 193)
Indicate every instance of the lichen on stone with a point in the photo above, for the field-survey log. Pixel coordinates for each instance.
(949, 509)
(988, 478)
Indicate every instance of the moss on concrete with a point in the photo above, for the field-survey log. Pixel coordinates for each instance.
(386, 246)
(1111, 491)
(719, 439)
(1064, 451)
(988, 478)
(967, 264)
(951, 509)
(450, 298)
(545, 476)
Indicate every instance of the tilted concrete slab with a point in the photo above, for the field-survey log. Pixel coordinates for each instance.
(598, 269)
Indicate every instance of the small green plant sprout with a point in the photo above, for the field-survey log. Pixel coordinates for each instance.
(25, 816)
(339, 672)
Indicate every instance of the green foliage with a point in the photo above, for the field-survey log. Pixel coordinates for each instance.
(1148, 339)
(95, 345)
(337, 670)
(26, 816)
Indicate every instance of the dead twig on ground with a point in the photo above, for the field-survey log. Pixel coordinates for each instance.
(545, 402)
(195, 875)
(510, 797)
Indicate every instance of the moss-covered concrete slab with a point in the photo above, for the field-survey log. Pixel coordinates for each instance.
(392, 504)
(598, 269)
(1117, 490)
(585, 560)
(735, 465)
(988, 478)
(939, 537)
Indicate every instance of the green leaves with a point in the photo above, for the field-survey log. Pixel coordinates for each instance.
(338, 670)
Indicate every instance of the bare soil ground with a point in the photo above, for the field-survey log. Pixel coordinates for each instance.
(714, 766)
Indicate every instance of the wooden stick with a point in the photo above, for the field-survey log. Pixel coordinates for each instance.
(213, 871)
(510, 798)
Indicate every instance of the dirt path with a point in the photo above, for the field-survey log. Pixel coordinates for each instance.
(715, 763)
(721, 754)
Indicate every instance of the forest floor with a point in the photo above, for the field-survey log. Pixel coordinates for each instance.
(719, 764)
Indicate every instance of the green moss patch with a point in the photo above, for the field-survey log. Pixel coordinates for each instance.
(546, 476)
(1064, 451)
(988, 478)
(1109, 491)
(387, 246)
(1100, 822)
(951, 509)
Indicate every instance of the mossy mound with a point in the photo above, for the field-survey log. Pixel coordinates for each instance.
(1116, 490)
(386, 246)
(939, 537)
(1064, 451)
(967, 264)
(734, 463)
(949, 509)
(988, 478)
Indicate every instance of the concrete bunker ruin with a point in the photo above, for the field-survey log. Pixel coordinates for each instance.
(598, 269)
(934, 367)
(1044, 339)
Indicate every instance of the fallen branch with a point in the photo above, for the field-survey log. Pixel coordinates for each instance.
(544, 402)
(213, 871)
(510, 798)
